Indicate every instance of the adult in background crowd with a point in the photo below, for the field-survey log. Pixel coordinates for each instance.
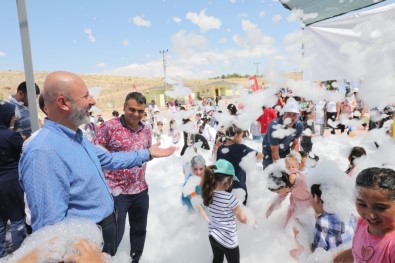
(11, 194)
(115, 114)
(61, 171)
(268, 114)
(129, 133)
(282, 134)
(22, 114)
(331, 110)
(345, 112)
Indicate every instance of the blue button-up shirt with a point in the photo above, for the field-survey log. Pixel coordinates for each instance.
(279, 135)
(61, 173)
(22, 117)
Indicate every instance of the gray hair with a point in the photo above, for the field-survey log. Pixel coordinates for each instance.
(198, 160)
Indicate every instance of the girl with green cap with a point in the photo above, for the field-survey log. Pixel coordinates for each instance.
(223, 209)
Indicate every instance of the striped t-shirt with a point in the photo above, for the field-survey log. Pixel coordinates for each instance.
(222, 226)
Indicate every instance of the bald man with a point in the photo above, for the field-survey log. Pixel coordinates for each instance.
(61, 171)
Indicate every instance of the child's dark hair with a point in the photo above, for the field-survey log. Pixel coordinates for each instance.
(316, 191)
(377, 178)
(232, 131)
(115, 113)
(280, 179)
(209, 183)
(303, 154)
(356, 152)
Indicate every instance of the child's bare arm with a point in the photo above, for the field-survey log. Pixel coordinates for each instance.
(292, 178)
(276, 203)
(238, 211)
(344, 257)
(203, 213)
(88, 252)
(259, 155)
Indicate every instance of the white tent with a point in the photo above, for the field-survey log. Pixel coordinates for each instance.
(350, 46)
(319, 10)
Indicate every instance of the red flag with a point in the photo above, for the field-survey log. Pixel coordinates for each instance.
(134, 88)
(254, 85)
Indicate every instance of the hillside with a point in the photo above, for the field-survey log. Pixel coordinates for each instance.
(113, 89)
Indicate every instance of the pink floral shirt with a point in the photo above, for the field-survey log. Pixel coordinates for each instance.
(115, 136)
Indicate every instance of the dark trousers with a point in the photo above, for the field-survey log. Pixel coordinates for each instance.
(232, 254)
(306, 146)
(331, 116)
(266, 161)
(109, 232)
(136, 207)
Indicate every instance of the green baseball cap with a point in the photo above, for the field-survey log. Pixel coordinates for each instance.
(226, 168)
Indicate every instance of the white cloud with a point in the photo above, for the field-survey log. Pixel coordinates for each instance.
(185, 43)
(140, 21)
(88, 32)
(196, 65)
(125, 42)
(276, 18)
(242, 15)
(222, 40)
(248, 25)
(2, 54)
(92, 38)
(253, 37)
(232, 1)
(262, 13)
(101, 65)
(176, 20)
(297, 14)
(204, 22)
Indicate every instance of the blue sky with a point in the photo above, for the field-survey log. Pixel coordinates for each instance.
(203, 38)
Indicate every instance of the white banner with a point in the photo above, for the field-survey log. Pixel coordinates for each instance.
(349, 47)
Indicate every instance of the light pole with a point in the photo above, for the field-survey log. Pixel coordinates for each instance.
(257, 68)
(163, 52)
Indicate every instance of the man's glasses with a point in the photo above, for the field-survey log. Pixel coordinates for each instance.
(133, 110)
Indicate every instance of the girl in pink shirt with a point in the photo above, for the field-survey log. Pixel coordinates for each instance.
(300, 195)
(374, 239)
(299, 199)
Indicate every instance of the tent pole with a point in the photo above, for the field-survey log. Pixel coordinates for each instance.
(28, 64)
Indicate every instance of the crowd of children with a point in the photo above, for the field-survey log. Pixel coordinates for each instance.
(209, 190)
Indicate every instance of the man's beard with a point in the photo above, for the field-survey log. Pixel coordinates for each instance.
(78, 116)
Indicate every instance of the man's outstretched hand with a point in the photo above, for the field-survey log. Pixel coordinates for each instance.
(157, 152)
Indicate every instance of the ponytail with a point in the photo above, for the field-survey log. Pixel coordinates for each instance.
(209, 183)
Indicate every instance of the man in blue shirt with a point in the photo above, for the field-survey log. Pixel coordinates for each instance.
(61, 171)
(22, 114)
(282, 134)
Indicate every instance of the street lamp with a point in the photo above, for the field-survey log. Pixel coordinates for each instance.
(257, 68)
(163, 52)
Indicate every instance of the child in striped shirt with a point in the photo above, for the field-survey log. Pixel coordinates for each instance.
(223, 208)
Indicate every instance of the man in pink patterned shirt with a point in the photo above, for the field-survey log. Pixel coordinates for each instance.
(128, 186)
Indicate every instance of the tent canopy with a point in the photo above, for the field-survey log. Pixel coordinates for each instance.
(325, 9)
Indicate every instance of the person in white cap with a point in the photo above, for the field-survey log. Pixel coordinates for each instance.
(282, 134)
